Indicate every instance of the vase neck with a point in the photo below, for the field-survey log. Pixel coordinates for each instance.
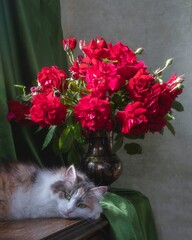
(99, 144)
(99, 134)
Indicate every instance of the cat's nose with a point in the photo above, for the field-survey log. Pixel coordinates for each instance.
(69, 210)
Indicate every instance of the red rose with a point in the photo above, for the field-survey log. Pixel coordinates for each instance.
(18, 112)
(47, 110)
(97, 49)
(155, 123)
(93, 113)
(121, 52)
(140, 85)
(128, 70)
(103, 77)
(159, 101)
(78, 70)
(69, 43)
(125, 60)
(51, 78)
(133, 119)
(175, 86)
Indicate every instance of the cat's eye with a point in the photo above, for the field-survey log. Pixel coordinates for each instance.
(67, 196)
(81, 205)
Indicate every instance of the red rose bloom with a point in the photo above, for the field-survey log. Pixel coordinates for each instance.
(69, 43)
(93, 113)
(18, 112)
(121, 52)
(97, 49)
(133, 119)
(159, 102)
(103, 77)
(78, 70)
(47, 110)
(155, 123)
(50, 78)
(125, 59)
(140, 85)
(128, 70)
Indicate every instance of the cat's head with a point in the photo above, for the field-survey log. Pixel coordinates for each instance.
(77, 196)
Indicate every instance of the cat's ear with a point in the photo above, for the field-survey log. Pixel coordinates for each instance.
(99, 191)
(71, 174)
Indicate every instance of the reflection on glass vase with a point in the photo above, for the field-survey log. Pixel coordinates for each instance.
(100, 164)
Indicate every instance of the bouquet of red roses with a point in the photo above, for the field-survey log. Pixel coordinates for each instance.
(108, 89)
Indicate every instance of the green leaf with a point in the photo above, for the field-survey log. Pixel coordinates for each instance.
(178, 106)
(22, 88)
(78, 133)
(171, 128)
(133, 148)
(49, 136)
(26, 98)
(73, 157)
(118, 143)
(66, 140)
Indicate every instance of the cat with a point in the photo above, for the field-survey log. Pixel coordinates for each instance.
(27, 191)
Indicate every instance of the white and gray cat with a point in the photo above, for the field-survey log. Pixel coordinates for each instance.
(27, 191)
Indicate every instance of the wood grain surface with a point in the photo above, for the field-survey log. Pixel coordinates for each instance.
(54, 228)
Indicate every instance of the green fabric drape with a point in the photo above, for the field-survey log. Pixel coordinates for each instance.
(129, 214)
(30, 38)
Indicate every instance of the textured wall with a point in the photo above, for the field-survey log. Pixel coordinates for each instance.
(164, 28)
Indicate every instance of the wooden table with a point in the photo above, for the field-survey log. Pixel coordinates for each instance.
(54, 228)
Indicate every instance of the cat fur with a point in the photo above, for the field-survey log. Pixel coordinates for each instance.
(27, 191)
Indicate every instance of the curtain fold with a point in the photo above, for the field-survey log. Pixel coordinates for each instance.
(129, 214)
(30, 38)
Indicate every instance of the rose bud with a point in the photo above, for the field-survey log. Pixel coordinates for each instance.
(69, 43)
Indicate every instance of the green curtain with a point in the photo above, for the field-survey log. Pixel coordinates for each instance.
(30, 38)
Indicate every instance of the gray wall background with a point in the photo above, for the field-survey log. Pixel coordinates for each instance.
(164, 29)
